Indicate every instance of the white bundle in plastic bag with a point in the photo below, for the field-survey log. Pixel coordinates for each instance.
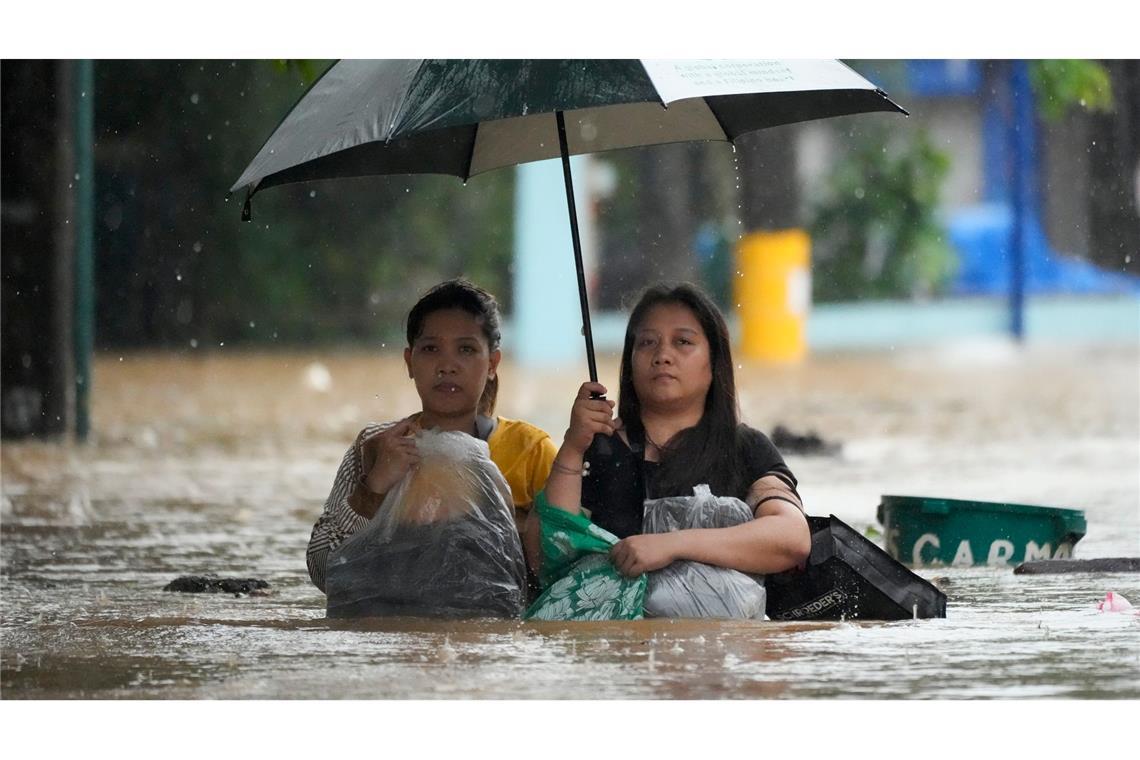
(687, 589)
(443, 543)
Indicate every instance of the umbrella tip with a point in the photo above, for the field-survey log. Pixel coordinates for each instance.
(247, 208)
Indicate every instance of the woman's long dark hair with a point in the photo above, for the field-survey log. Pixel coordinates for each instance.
(461, 294)
(707, 452)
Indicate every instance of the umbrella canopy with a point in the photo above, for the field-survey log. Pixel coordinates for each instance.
(464, 117)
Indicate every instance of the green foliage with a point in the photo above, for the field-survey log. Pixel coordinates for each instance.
(335, 261)
(875, 234)
(307, 70)
(1063, 84)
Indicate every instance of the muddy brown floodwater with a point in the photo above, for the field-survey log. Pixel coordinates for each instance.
(219, 463)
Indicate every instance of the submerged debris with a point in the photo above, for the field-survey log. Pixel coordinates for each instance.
(1114, 602)
(808, 443)
(210, 584)
(1102, 565)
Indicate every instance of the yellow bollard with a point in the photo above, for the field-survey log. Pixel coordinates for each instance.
(773, 294)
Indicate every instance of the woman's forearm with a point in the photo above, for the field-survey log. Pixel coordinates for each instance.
(769, 544)
(564, 484)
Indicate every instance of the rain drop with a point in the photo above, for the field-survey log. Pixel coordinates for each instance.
(252, 323)
(222, 343)
(178, 277)
(77, 176)
(193, 343)
(197, 246)
(194, 98)
(312, 193)
(1128, 259)
(859, 193)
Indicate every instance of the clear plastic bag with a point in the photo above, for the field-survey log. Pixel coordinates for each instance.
(686, 589)
(443, 543)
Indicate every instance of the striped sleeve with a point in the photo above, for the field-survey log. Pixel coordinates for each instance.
(338, 520)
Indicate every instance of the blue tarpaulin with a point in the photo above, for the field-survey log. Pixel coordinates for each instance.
(981, 237)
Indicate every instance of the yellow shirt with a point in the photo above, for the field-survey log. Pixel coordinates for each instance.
(524, 454)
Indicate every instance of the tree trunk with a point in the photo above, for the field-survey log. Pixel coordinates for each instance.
(35, 342)
(666, 229)
(1114, 167)
(768, 187)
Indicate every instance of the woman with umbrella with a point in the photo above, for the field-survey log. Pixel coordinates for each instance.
(678, 427)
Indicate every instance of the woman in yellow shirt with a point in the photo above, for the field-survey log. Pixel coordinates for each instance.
(453, 357)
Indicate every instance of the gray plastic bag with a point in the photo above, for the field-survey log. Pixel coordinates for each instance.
(443, 543)
(688, 589)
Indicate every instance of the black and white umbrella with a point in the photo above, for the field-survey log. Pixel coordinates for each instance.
(466, 117)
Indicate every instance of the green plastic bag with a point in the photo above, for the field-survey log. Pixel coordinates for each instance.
(580, 581)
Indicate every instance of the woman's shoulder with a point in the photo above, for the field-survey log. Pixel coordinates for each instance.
(748, 435)
(754, 444)
(517, 430)
(760, 455)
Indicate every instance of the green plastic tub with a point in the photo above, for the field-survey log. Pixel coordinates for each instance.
(929, 532)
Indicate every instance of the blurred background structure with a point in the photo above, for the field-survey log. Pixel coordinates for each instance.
(1007, 204)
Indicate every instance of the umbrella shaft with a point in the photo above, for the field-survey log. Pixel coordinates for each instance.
(587, 333)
